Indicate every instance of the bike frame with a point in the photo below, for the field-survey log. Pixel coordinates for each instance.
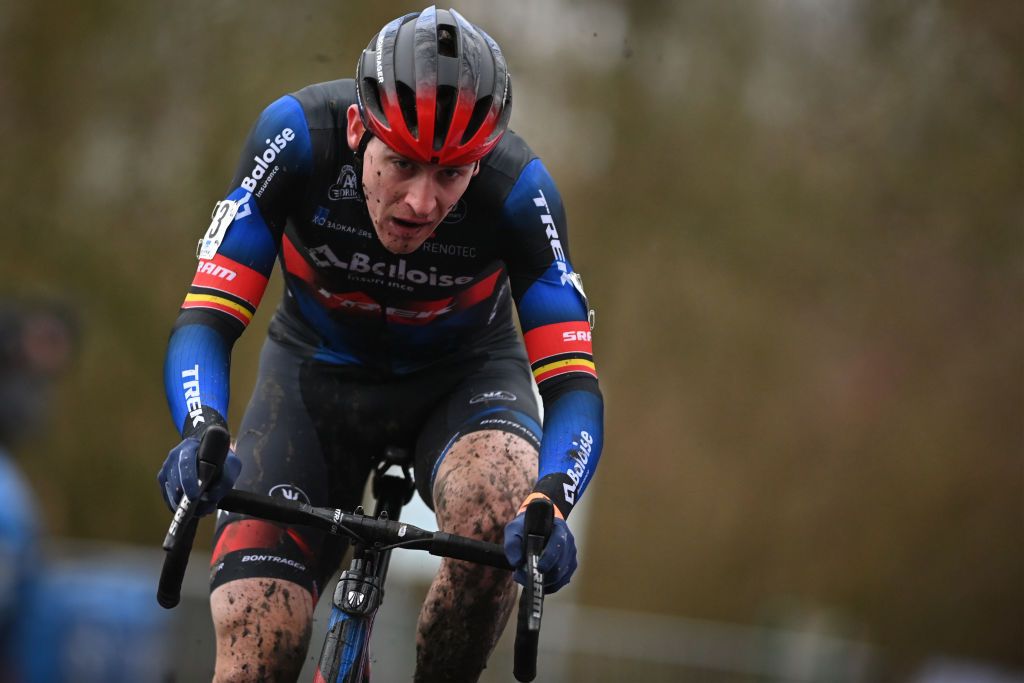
(345, 657)
(359, 592)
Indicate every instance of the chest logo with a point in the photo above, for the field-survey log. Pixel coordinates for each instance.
(457, 213)
(346, 186)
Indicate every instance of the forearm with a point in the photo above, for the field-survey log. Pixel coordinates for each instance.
(571, 448)
(196, 376)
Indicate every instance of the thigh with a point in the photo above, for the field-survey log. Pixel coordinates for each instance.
(287, 451)
(497, 397)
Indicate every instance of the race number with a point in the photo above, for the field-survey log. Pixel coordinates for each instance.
(223, 213)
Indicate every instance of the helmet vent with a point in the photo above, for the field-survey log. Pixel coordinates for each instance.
(447, 46)
(446, 95)
(407, 103)
(483, 106)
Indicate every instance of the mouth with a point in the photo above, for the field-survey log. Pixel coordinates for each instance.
(406, 228)
(410, 224)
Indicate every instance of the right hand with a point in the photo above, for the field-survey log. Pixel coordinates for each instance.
(180, 474)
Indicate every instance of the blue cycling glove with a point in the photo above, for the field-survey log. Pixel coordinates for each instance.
(557, 562)
(180, 474)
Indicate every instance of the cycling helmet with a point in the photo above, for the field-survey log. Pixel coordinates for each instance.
(434, 88)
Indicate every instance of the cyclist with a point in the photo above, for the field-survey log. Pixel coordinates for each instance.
(407, 221)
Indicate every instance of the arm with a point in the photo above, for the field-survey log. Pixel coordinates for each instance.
(555, 318)
(236, 257)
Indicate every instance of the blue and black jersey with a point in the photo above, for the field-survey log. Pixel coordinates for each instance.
(295, 200)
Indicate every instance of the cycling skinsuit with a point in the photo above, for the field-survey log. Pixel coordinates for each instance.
(368, 348)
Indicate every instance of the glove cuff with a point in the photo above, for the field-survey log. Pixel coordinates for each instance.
(559, 512)
(198, 422)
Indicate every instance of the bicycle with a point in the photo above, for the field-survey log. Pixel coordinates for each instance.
(359, 592)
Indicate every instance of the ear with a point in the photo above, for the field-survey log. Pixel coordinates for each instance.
(476, 167)
(354, 128)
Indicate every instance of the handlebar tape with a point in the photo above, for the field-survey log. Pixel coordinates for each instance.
(213, 449)
(537, 525)
(471, 550)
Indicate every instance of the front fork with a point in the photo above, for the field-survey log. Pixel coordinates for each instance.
(360, 590)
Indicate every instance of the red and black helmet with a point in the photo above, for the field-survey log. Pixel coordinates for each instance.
(434, 88)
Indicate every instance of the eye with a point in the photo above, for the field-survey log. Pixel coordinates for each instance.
(402, 164)
(453, 173)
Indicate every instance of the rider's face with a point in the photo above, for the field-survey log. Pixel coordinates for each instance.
(406, 199)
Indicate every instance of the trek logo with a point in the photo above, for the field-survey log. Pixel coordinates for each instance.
(289, 492)
(370, 306)
(345, 186)
(211, 268)
(552, 232)
(263, 161)
(192, 400)
(577, 473)
(324, 257)
(577, 335)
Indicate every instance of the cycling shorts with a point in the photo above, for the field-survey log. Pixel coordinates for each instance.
(314, 431)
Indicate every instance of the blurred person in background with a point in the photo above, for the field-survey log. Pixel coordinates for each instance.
(36, 342)
(407, 221)
(60, 620)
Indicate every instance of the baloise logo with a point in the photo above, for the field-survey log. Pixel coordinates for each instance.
(263, 161)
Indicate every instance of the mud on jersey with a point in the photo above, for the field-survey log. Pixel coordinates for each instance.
(295, 199)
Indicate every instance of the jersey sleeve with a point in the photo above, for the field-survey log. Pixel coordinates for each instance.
(236, 256)
(556, 320)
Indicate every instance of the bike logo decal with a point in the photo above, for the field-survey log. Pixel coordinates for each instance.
(289, 492)
(493, 396)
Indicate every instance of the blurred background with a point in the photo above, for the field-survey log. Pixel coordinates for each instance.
(801, 224)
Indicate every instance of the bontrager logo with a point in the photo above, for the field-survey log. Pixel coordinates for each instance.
(274, 558)
(324, 257)
(268, 156)
(498, 395)
(211, 268)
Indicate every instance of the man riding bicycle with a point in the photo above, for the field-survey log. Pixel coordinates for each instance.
(406, 221)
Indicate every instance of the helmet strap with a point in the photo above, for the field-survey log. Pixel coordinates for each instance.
(358, 161)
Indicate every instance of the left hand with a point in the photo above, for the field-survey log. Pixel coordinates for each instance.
(557, 562)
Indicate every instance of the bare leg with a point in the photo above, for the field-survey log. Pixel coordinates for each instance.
(479, 486)
(263, 629)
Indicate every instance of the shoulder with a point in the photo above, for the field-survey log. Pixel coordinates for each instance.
(509, 158)
(501, 170)
(324, 104)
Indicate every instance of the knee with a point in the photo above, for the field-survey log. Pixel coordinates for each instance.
(481, 483)
(262, 628)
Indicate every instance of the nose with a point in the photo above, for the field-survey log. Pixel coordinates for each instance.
(421, 196)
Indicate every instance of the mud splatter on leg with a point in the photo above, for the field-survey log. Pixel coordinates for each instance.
(479, 487)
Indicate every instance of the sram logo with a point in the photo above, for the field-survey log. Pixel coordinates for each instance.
(211, 268)
(576, 335)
